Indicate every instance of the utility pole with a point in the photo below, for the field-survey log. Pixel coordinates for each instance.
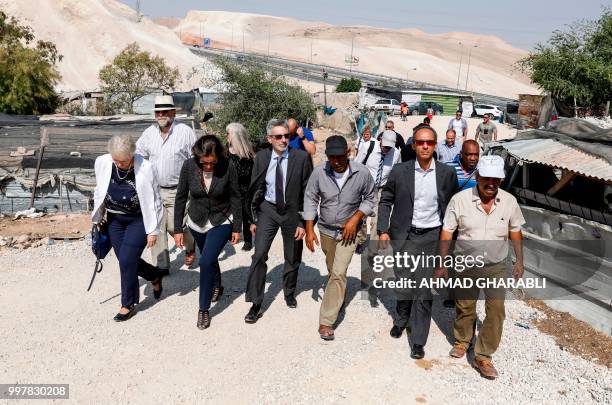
(242, 40)
(468, 68)
(352, 47)
(232, 43)
(325, 75)
(460, 62)
(268, 42)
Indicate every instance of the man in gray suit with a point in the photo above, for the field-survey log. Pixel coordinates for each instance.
(410, 213)
(279, 178)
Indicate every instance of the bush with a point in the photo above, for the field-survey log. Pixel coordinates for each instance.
(27, 73)
(348, 85)
(253, 96)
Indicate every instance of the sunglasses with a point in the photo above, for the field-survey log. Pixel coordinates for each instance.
(279, 137)
(428, 142)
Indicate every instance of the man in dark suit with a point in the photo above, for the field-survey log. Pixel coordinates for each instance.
(415, 198)
(279, 178)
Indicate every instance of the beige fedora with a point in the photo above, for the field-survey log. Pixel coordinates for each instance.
(164, 103)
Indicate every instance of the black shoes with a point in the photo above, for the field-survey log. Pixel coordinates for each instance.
(157, 288)
(253, 315)
(217, 293)
(417, 352)
(396, 332)
(291, 301)
(124, 317)
(203, 320)
(247, 246)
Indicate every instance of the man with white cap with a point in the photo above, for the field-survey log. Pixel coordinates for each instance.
(167, 144)
(483, 213)
(380, 162)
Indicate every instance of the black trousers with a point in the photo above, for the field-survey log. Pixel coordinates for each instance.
(417, 301)
(268, 223)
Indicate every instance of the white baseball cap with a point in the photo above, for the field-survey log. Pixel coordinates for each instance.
(491, 166)
(388, 138)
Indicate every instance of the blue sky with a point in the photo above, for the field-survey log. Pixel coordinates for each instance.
(522, 23)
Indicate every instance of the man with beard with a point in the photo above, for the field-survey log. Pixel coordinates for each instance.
(167, 145)
(343, 191)
(480, 215)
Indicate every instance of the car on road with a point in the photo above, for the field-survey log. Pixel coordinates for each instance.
(421, 108)
(482, 109)
(387, 105)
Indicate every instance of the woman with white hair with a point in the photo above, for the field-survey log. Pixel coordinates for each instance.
(127, 199)
(241, 154)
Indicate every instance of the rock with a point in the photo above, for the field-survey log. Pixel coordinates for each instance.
(582, 380)
(45, 241)
(23, 238)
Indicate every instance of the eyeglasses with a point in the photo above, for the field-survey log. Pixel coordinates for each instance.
(422, 142)
(279, 137)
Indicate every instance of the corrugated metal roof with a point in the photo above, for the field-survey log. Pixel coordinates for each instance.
(552, 153)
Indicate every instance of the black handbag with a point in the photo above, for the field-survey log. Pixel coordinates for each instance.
(100, 246)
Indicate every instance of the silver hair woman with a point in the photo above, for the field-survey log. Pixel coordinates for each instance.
(241, 155)
(127, 198)
(238, 141)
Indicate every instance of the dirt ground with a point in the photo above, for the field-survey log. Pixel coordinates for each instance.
(56, 226)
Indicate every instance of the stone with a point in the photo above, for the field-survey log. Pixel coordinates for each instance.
(23, 238)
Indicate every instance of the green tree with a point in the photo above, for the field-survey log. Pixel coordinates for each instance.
(135, 73)
(27, 70)
(348, 85)
(253, 96)
(575, 64)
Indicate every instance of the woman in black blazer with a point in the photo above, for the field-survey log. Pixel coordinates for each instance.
(214, 216)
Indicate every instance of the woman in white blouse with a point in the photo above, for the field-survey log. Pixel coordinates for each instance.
(127, 200)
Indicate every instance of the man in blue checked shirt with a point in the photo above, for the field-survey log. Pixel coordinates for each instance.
(465, 164)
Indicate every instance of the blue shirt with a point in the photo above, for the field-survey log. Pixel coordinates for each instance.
(271, 175)
(462, 175)
(121, 196)
(448, 153)
(298, 143)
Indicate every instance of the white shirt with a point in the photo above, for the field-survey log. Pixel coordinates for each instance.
(207, 226)
(458, 126)
(167, 156)
(425, 212)
(271, 175)
(391, 159)
(341, 177)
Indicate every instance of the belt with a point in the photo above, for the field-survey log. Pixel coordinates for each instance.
(421, 231)
(168, 188)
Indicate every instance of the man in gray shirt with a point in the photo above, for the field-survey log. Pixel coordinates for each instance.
(486, 131)
(343, 191)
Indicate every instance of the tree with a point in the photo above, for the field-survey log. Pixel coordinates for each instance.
(27, 70)
(575, 64)
(348, 85)
(253, 96)
(133, 74)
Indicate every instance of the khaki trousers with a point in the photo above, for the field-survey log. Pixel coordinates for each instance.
(492, 326)
(338, 255)
(159, 252)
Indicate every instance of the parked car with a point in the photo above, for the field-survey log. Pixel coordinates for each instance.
(421, 107)
(482, 109)
(388, 105)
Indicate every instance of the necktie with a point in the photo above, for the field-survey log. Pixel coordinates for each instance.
(280, 181)
(380, 171)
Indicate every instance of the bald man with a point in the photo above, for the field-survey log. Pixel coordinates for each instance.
(301, 138)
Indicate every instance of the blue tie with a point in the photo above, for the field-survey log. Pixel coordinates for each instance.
(380, 171)
(278, 186)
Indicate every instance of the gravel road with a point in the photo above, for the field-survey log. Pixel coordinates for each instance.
(53, 331)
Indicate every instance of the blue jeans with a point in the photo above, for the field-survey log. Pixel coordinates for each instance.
(129, 239)
(210, 245)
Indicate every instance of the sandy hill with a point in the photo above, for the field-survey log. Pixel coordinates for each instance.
(405, 52)
(90, 33)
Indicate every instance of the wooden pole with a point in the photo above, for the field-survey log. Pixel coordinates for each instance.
(44, 140)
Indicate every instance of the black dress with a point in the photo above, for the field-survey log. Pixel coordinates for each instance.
(244, 168)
